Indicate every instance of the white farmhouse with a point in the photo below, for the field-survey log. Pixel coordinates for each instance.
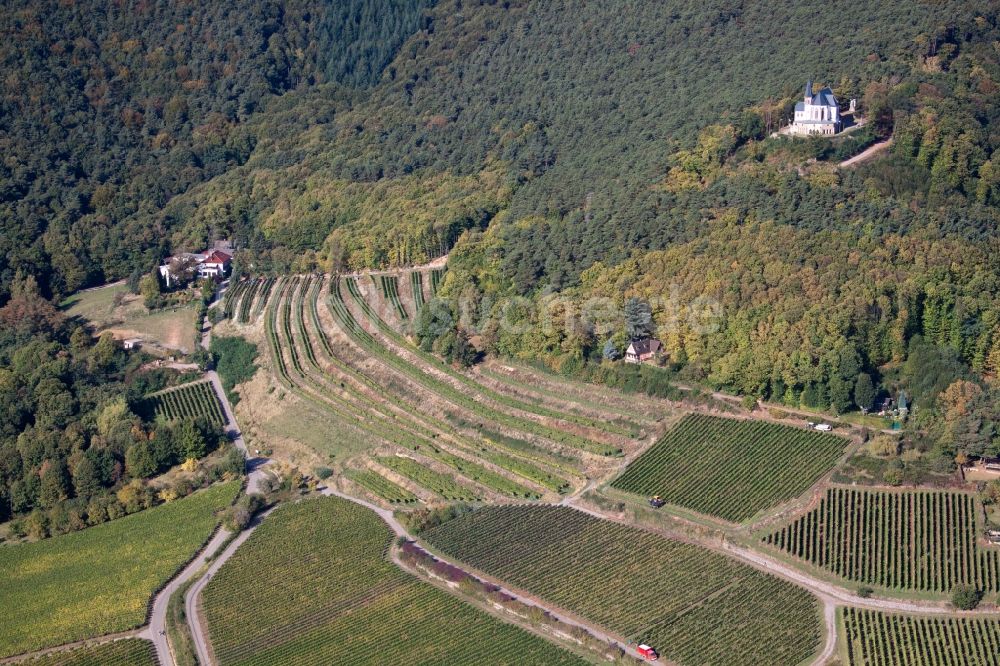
(184, 267)
(817, 113)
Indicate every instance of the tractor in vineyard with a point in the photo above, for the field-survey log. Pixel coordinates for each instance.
(656, 501)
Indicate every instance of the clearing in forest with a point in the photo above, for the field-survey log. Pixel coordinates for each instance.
(694, 606)
(312, 585)
(731, 469)
(113, 308)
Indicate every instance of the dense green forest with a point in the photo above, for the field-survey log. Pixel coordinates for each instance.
(109, 110)
(588, 149)
(75, 448)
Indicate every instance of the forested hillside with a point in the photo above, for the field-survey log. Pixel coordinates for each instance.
(607, 149)
(108, 110)
(586, 107)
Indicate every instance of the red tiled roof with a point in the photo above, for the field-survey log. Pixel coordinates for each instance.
(217, 257)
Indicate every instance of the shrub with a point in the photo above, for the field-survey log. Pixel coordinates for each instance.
(893, 476)
(424, 519)
(965, 597)
(234, 360)
(865, 592)
(323, 472)
(239, 515)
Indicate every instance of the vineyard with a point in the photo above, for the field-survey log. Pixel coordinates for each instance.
(390, 291)
(381, 486)
(731, 469)
(442, 484)
(99, 580)
(125, 652)
(305, 360)
(595, 445)
(876, 639)
(437, 275)
(385, 396)
(695, 606)
(312, 586)
(417, 285)
(188, 401)
(245, 300)
(920, 540)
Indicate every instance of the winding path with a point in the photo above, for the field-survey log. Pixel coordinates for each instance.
(156, 631)
(191, 598)
(867, 153)
(399, 530)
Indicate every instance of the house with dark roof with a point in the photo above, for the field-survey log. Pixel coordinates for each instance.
(641, 351)
(817, 113)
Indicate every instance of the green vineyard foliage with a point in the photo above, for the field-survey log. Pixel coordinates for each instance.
(920, 540)
(381, 486)
(694, 606)
(312, 586)
(731, 469)
(99, 580)
(126, 652)
(876, 639)
(188, 401)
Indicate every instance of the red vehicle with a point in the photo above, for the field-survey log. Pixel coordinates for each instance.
(647, 653)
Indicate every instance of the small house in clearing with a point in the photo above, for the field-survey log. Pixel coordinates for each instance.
(641, 351)
(132, 343)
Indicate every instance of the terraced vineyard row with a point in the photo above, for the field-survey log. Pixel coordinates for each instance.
(417, 285)
(695, 606)
(390, 291)
(360, 336)
(902, 540)
(291, 328)
(880, 639)
(263, 296)
(381, 486)
(233, 295)
(437, 276)
(189, 401)
(442, 484)
(626, 416)
(246, 301)
(525, 469)
(311, 586)
(439, 386)
(493, 454)
(126, 652)
(728, 468)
